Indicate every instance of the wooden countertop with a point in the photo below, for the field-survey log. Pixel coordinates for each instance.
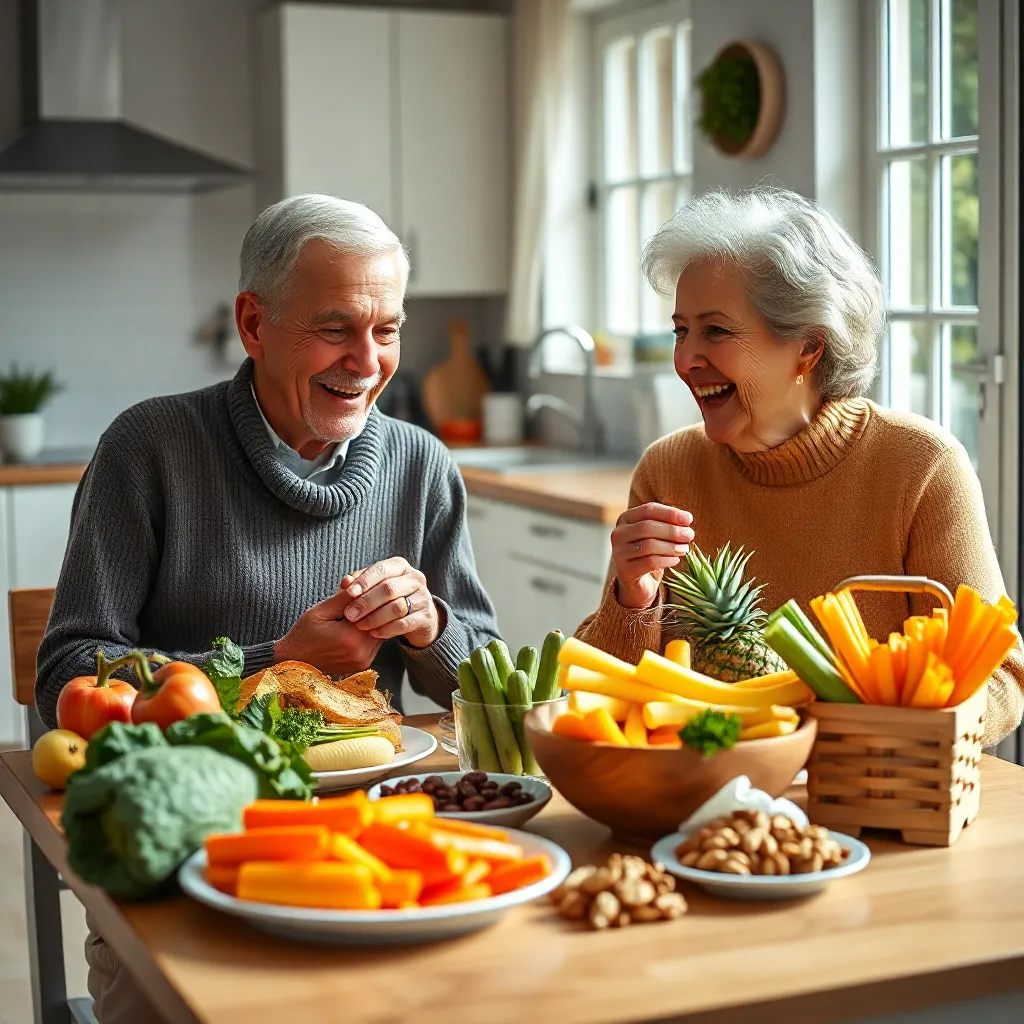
(599, 496)
(18, 476)
(920, 926)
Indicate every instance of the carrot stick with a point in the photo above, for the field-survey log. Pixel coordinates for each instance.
(223, 878)
(480, 891)
(326, 884)
(602, 728)
(898, 647)
(347, 850)
(965, 609)
(402, 848)
(487, 850)
(849, 604)
(984, 663)
(985, 623)
(519, 875)
(919, 660)
(390, 810)
(469, 828)
(401, 889)
(832, 616)
(478, 871)
(679, 652)
(848, 677)
(350, 814)
(926, 694)
(634, 730)
(885, 680)
(297, 842)
(570, 726)
(666, 736)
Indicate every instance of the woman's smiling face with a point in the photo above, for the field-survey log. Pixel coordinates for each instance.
(743, 378)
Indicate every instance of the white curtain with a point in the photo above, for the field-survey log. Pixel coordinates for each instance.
(541, 70)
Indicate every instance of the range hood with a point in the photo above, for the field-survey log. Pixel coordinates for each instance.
(73, 137)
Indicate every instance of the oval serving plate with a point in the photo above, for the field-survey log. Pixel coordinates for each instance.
(417, 745)
(379, 927)
(507, 817)
(761, 887)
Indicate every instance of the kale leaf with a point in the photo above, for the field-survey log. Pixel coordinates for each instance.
(710, 731)
(224, 668)
(116, 740)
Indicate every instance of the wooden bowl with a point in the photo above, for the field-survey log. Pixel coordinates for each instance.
(644, 794)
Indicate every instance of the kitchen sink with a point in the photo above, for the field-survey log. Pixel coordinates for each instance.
(525, 460)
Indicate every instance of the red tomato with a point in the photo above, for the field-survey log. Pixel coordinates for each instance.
(179, 690)
(87, 703)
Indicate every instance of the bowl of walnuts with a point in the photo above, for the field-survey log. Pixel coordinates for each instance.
(750, 854)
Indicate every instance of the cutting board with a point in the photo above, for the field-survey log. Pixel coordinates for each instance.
(454, 389)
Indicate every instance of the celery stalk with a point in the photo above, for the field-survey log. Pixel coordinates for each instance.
(795, 614)
(803, 657)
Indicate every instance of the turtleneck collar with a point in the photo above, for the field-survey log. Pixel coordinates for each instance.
(818, 448)
(357, 480)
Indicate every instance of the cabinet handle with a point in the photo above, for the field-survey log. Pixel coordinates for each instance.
(547, 586)
(546, 530)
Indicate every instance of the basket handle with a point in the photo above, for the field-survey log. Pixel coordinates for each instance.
(899, 585)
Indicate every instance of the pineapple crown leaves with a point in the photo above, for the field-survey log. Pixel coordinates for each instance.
(713, 599)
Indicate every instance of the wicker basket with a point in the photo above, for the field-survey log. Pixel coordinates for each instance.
(912, 770)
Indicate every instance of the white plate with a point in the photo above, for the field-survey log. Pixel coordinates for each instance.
(418, 745)
(381, 927)
(509, 817)
(761, 887)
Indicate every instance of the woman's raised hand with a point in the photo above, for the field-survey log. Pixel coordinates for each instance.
(646, 541)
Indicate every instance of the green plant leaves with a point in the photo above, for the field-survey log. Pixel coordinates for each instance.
(731, 99)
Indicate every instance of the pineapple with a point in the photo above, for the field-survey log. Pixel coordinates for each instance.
(720, 615)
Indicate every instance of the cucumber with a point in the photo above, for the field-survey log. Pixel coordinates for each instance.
(505, 742)
(546, 686)
(479, 741)
(803, 657)
(502, 662)
(520, 699)
(528, 661)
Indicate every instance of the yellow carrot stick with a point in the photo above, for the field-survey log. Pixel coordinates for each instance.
(600, 727)
(679, 652)
(945, 691)
(768, 729)
(926, 693)
(629, 690)
(984, 663)
(760, 682)
(849, 604)
(831, 616)
(843, 669)
(634, 730)
(885, 682)
(658, 714)
(1008, 610)
(898, 649)
(581, 702)
(576, 652)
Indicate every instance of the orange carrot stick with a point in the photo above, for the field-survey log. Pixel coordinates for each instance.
(602, 728)
(519, 874)
(469, 828)
(570, 725)
(402, 848)
(401, 889)
(223, 878)
(325, 884)
(297, 842)
(634, 730)
(984, 663)
(478, 871)
(350, 814)
(965, 609)
(390, 810)
(480, 891)
(918, 657)
(665, 736)
(885, 681)
(347, 850)
(483, 849)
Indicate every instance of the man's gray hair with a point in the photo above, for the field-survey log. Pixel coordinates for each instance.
(805, 275)
(277, 236)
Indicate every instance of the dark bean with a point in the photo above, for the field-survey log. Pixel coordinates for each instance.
(498, 805)
(386, 791)
(448, 808)
(522, 797)
(475, 777)
(474, 803)
(510, 787)
(466, 788)
(433, 781)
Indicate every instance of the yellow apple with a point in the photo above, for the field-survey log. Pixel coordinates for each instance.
(56, 755)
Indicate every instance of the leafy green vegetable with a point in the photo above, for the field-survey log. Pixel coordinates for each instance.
(299, 726)
(282, 772)
(262, 712)
(710, 731)
(224, 669)
(130, 823)
(116, 740)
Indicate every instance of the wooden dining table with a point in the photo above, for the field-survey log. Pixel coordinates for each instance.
(921, 926)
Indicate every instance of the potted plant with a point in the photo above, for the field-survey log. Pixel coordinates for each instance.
(22, 395)
(742, 99)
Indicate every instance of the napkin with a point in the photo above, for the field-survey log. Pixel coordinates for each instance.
(739, 795)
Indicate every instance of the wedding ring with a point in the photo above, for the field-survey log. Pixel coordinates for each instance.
(638, 546)
(408, 607)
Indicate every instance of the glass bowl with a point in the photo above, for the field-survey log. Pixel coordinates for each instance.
(490, 737)
(446, 727)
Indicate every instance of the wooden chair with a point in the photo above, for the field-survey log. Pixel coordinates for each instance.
(29, 612)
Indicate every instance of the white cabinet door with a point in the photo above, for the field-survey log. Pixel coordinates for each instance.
(336, 99)
(40, 523)
(453, 150)
(546, 599)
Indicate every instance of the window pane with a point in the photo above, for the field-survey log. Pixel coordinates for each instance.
(656, 208)
(907, 46)
(622, 262)
(960, 68)
(960, 230)
(620, 109)
(656, 88)
(964, 386)
(909, 367)
(684, 153)
(907, 249)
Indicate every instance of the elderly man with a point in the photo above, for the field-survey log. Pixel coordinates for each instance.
(280, 509)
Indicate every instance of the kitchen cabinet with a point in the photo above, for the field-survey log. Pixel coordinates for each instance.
(407, 112)
(542, 571)
(34, 524)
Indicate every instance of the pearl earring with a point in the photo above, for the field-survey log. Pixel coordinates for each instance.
(800, 378)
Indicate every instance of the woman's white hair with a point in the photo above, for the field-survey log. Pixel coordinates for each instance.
(273, 243)
(805, 275)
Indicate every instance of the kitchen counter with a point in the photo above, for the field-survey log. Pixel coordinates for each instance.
(920, 927)
(21, 475)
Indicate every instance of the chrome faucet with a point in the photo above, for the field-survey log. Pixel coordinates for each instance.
(588, 423)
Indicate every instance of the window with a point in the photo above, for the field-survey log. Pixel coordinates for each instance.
(927, 149)
(644, 155)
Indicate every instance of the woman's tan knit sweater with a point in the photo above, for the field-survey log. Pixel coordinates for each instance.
(859, 491)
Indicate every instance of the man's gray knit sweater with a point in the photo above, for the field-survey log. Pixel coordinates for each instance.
(186, 527)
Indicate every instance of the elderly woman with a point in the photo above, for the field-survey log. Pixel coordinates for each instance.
(778, 318)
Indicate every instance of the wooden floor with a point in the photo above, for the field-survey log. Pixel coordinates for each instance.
(15, 993)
